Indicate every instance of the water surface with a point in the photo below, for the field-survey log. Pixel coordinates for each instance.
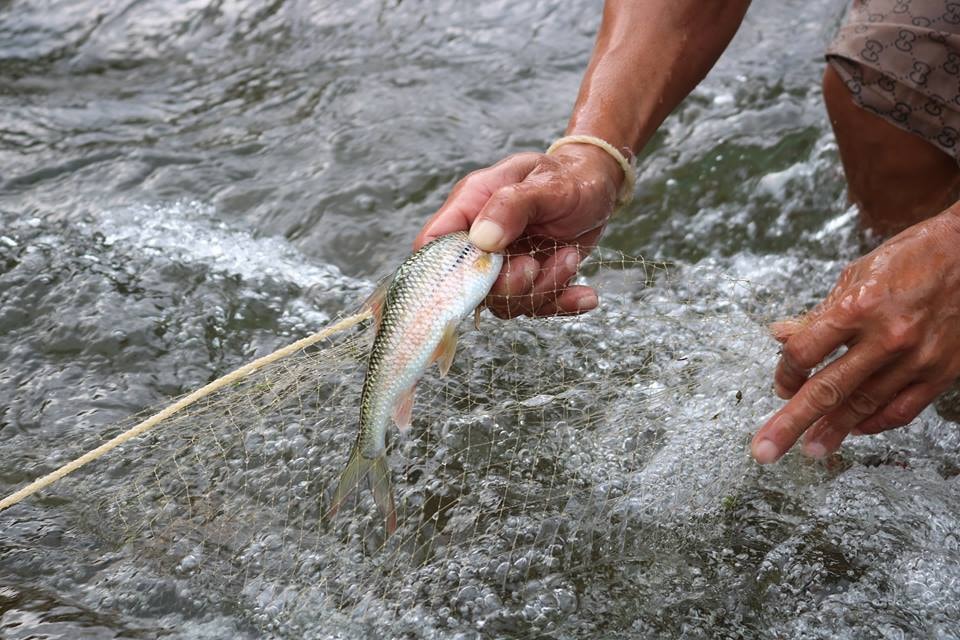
(187, 185)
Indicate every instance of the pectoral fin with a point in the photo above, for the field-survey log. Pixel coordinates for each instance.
(476, 317)
(403, 411)
(447, 348)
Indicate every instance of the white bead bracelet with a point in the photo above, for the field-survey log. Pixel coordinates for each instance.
(629, 172)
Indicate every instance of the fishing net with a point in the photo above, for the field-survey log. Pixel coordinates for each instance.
(558, 455)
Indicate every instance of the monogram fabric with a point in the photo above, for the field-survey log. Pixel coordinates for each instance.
(901, 60)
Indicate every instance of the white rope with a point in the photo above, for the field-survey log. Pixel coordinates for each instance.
(179, 405)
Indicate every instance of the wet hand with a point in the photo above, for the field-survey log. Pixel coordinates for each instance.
(897, 310)
(545, 213)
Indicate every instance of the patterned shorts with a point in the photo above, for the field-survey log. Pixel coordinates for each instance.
(901, 60)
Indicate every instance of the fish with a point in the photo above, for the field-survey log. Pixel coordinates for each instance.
(416, 314)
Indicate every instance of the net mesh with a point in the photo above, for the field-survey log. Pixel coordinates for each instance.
(556, 450)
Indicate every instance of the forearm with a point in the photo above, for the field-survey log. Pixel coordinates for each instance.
(649, 55)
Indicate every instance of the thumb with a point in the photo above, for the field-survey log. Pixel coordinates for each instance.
(512, 208)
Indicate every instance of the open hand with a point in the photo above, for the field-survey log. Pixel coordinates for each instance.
(897, 309)
(545, 213)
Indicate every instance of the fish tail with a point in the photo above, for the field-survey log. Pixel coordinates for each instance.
(377, 473)
(382, 489)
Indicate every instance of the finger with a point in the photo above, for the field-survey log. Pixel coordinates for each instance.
(470, 195)
(806, 349)
(903, 409)
(515, 281)
(572, 301)
(783, 330)
(513, 207)
(829, 432)
(555, 272)
(787, 379)
(821, 394)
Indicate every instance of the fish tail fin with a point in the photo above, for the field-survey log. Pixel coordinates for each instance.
(356, 469)
(377, 473)
(382, 489)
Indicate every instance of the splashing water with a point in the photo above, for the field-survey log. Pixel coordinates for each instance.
(188, 186)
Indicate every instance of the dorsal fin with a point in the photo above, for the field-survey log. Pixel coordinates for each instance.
(375, 301)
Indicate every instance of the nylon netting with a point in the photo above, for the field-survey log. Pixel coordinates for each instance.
(556, 450)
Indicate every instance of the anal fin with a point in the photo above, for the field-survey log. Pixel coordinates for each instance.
(403, 411)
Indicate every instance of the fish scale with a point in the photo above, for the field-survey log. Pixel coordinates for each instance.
(417, 313)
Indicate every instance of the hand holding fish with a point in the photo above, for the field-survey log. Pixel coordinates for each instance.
(566, 197)
(897, 309)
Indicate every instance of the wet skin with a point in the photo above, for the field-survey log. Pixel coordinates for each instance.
(896, 310)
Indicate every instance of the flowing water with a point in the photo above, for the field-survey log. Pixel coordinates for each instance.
(185, 185)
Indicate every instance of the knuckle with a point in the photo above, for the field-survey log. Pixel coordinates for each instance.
(929, 360)
(852, 310)
(899, 336)
(824, 394)
(797, 357)
(472, 180)
(548, 164)
(898, 415)
(508, 194)
(862, 404)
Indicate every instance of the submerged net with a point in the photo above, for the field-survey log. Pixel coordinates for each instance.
(558, 455)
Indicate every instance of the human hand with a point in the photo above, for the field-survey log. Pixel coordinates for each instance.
(545, 213)
(897, 309)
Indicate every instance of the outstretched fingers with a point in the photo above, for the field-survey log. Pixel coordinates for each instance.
(807, 348)
(864, 402)
(902, 409)
(822, 394)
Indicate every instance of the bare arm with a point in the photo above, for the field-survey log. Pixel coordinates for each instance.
(648, 57)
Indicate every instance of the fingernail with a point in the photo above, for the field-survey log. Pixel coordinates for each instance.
(487, 235)
(814, 450)
(587, 301)
(571, 261)
(765, 452)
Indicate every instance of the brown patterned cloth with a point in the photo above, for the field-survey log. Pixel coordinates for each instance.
(901, 60)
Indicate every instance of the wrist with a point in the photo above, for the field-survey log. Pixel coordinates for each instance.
(594, 159)
(597, 170)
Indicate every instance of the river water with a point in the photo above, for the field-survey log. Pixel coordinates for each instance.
(185, 185)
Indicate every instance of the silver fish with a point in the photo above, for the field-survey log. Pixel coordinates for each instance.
(417, 312)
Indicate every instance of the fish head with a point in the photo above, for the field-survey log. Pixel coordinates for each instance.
(484, 263)
(487, 266)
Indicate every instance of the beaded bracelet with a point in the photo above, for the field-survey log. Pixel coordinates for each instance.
(629, 172)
